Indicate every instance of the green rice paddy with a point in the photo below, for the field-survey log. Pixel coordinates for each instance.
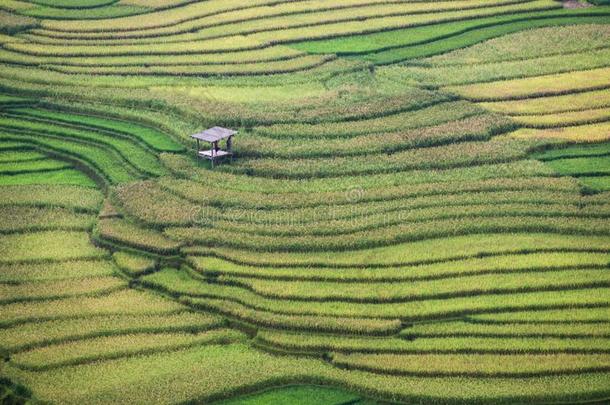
(417, 210)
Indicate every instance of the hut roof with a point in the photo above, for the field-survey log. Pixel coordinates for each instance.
(214, 134)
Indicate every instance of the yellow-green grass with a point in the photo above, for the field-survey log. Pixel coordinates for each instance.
(399, 292)
(207, 192)
(546, 85)
(273, 53)
(510, 345)
(273, 101)
(482, 329)
(12, 23)
(46, 290)
(101, 163)
(574, 151)
(434, 115)
(420, 290)
(587, 100)
(285, 15)
(514, 56)
(579, 133)
(25, 166)
(309, 342)
(412, 13)
(332, 324)
(460, 154)
(5, 39)
(301, 394)
(255, 308)
(238, 368)
(75, 197)
(575, 167)
(133, 264)
(550, 317)
(500, 71)
(9, 100)
(47, 246)
(14, 156)
(527, 172)
(164, 208)
(415, 196)
(109, 11)
(582, 166)
(125, 302)
(135, 154)
(22, 165)
(427, 251)
(391, 234)
(249, 95)
(477, 127)
(228, 44)
(596, 198)
(17, 151)
(477, 365)
(214, 32)
(41, 334)
(56, 177)
(395, 208)
(168, 17)
(528, 44)
(106, 348)
(64, 270)
(574, 263)
(343, 218)
(14, 146)
(306, 90)
(348, 25)
(78, 4)
(563, 119)
(273, 67)
(397, 45)
(34, 166)
(21, 219)
(157, 4)
(167, 205)
(295, 14)
(87, 88)
(596, 183)
(150, 136)
(211, 266)
(125, 233)
(232, 113)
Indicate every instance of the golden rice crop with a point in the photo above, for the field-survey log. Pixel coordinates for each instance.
(546, 85)
(474, 364)
(124, 232)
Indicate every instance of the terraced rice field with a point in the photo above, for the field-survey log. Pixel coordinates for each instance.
(418, 211)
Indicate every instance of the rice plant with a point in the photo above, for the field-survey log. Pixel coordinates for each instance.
(417, 211)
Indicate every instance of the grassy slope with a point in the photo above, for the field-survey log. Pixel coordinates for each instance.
(503, 243)
(394, 46)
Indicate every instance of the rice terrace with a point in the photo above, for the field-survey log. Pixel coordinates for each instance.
(304, 202)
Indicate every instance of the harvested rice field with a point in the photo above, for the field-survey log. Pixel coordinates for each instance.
(304, 202)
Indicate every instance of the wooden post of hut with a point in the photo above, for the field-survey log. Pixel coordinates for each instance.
(213, 136)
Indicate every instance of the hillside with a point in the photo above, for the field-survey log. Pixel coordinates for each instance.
(417, 210)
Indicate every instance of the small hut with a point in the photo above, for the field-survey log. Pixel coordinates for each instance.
(213, 136)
